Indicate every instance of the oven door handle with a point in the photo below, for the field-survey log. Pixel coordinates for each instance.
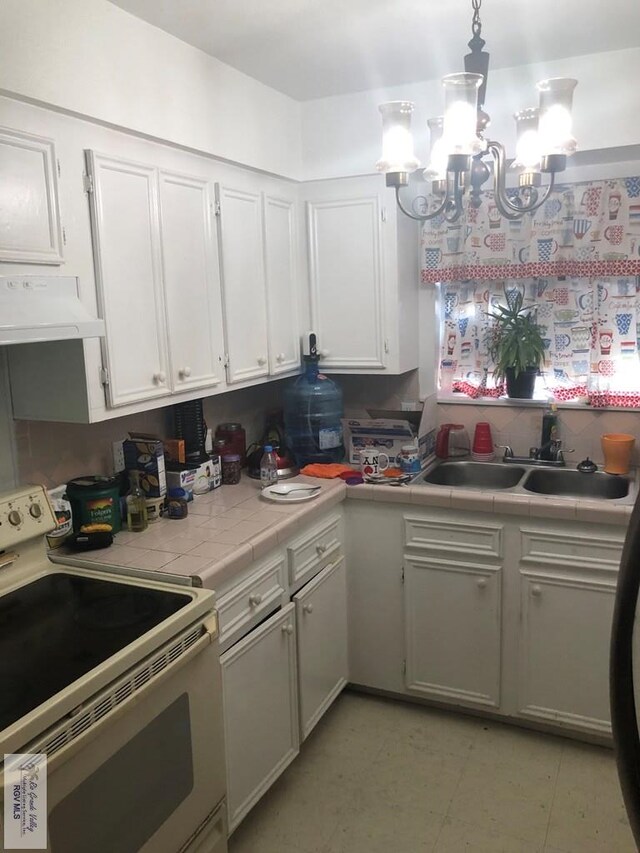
(94, 727)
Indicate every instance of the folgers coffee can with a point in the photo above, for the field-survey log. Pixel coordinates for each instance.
(95, 499)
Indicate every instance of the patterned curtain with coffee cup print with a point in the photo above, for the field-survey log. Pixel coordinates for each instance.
(583, 230)
(590, 328)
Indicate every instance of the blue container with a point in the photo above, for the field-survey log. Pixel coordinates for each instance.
(312, 417)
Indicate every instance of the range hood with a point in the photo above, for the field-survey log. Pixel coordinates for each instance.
(44, 308)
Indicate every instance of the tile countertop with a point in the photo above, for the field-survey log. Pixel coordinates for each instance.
(231, 527)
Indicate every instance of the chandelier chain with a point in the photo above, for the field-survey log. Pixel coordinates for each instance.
(476, 23)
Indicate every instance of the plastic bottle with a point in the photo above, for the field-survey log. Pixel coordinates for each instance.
(549, 430)
(312, 416)
(136, 507)
(268, 468)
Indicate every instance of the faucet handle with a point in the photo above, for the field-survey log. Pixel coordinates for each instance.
(561, 452)
(508, 452)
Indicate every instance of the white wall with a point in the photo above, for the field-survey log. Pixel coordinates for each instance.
(92, 58)
(342, 135)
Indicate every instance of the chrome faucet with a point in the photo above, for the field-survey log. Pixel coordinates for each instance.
(556, 454)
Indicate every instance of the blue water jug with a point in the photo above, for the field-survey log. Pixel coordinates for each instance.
(312, 416)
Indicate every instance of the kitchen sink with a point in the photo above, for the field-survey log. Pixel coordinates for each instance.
(480, 475)
(575, 484)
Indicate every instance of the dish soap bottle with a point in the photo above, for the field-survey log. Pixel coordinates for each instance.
(268, 468)
(136, 506)
(549, 431)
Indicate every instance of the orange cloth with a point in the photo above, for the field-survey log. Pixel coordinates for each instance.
(327, 470)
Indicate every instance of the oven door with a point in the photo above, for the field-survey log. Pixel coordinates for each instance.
(147, 771)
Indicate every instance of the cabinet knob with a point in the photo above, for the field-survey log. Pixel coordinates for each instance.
(262, 360)
(255, 599)
(280, 357)
(287, 629)
(160, 377)
(321, 549)
(481, 582)
(184, 372)
(307, 608)
(536, 589)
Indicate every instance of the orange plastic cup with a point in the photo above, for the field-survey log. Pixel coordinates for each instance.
(617, 448)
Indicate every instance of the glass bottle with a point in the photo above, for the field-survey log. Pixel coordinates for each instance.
(136, 506)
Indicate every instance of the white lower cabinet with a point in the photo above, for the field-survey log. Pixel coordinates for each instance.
(260, 695)
(567, 584)
(321, 617)
(452, 630)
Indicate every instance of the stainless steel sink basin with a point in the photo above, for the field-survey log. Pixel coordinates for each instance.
(575, 484)
(479, 475)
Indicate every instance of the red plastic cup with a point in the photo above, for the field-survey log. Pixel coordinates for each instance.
(482, 439)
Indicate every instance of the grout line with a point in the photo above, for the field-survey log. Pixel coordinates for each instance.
(553, 796)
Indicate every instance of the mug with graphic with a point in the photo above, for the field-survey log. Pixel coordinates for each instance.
(432, 258)
(614, 234)
(562, 341)
(372, 461)
(614, 204)
(581, 227)
(606, 339)
(623, 323)
(450, 302)
(625, 287)
(523, 254)
(591, 200)
(451, 343)
(585, 300)
(495, 217)
(561, 295)
(453, 243)
(552, 207)
(584, 253)
(581, 337)
(495, 242)
(633, 187)
(547, 247)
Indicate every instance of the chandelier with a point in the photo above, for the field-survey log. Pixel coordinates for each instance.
(458, 145)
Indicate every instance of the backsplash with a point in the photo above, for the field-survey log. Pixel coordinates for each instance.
(520, 427)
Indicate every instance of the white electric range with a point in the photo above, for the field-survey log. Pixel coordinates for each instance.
(116, 680)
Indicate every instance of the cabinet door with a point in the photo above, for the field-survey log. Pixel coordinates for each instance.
(282, 284)
(192, 283)
(243, 283)
(30, 230)
(564, 649)
(321, 616)
(260, 689)
(452, 612)
(346, 273)
(126, 238)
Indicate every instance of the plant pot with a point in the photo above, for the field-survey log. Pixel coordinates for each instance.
(521, 387)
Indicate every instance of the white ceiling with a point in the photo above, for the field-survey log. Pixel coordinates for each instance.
(314, 48)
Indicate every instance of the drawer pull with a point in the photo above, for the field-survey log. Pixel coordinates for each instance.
(536, 589)
(287, 629)
(307, 608)
(160, 378)
(321, 549)
(481, 582)
(255, 599)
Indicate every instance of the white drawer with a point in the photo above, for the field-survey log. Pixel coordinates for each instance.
(249, 600)
(574, 550)
(314, 550)
(479, 539)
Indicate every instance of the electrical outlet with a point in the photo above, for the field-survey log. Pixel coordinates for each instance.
(118, 456)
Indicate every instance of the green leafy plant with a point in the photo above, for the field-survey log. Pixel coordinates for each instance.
(514, 338)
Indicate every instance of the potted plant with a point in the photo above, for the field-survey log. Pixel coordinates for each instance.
(516, 346)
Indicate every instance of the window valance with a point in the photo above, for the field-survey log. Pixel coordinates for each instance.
(586, 229)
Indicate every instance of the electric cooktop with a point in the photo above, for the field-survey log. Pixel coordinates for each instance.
(57, 628)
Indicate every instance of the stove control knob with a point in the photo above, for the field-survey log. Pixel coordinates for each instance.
(15, 518)
(35, 511)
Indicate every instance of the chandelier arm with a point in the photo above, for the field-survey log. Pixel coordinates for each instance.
(507, 208)
(424, 217)
(455, 203)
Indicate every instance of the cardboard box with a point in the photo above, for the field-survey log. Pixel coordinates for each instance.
(384, 434)
(174, 450)
(181, 478)
(145, 454)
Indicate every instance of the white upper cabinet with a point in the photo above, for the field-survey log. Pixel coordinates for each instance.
(124, 207)
(192, 283)
(282, 283)
(243, 283)
(30, 230)
(363, 275)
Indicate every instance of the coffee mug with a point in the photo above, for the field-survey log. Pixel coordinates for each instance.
(547, 246)
(552, 208)
(614, 234)
(432, 258)
(591, 200)
(372, 461)
(581, 227)
(495, 242)
(633, 187)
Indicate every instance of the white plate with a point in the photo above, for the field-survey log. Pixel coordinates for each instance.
(293, 497)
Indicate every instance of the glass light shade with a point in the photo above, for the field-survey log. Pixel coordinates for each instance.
(528, 153)
(397, 141)
(461, 113)
(555, 126)
(437, 168)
